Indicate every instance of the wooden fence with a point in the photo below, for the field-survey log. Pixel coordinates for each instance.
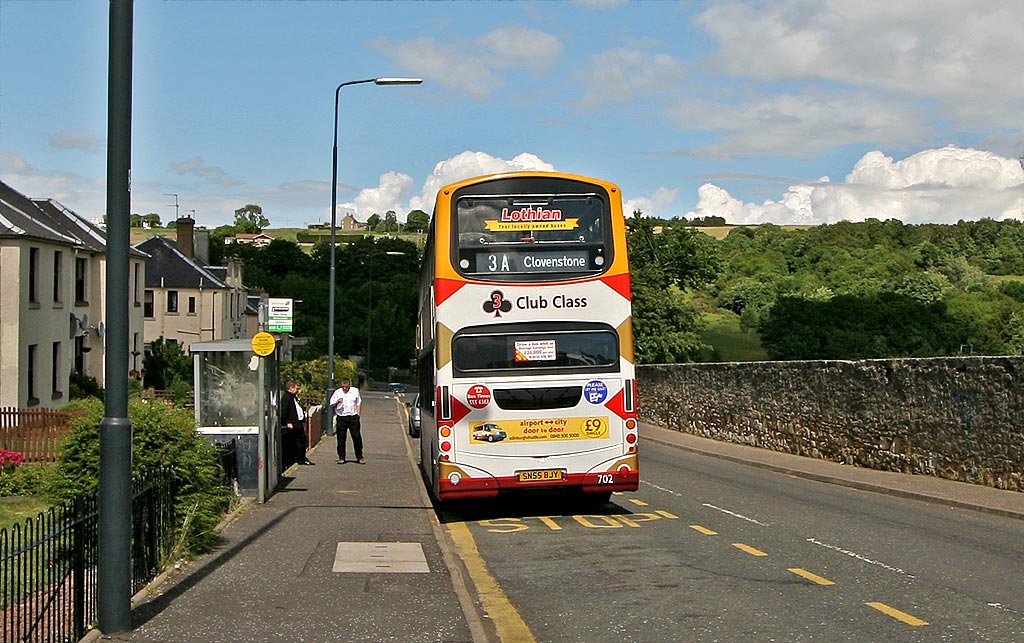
(36, 433)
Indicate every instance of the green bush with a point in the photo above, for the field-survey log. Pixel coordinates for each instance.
(162, 436)
(26, 479)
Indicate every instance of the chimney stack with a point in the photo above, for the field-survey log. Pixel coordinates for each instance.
(186, 241)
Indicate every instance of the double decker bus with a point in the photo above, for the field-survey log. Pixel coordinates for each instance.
(525, 339)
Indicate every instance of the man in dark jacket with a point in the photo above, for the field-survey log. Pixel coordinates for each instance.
(293, 423)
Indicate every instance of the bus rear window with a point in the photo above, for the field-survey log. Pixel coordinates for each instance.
(524, 238)
(561, 351)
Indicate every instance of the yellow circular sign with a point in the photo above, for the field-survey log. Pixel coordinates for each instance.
(263, 344)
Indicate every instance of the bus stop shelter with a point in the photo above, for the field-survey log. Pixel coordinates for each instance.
(237, 408)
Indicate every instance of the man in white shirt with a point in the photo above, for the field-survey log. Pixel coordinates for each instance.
(347, 406)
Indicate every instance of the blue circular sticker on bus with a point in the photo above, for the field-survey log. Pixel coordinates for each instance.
(595, 392)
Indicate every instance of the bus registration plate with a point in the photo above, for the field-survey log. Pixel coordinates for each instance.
(540, 475)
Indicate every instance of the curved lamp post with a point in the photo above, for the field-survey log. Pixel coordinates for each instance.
(334, 206)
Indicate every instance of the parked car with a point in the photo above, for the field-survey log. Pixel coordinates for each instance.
(396, 387)
(414, 416)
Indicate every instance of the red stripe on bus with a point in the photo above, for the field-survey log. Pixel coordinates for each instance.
(445, 288)
(620, 284)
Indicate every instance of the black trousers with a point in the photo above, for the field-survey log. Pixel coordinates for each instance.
(295, 444)
(349, 424)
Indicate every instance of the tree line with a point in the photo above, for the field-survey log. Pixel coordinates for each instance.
(874, 289)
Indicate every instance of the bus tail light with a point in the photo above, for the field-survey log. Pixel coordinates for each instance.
(631, 438)
(446, 446)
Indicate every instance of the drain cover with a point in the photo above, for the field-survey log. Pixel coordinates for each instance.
(380, 558)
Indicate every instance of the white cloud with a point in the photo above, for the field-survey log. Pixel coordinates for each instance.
(469, 164)
(797, 125)
(443, 65)
(389, 194)
(13, 163)
(953, 52)
(933, 186)
(76, 140)
(652, 205)
(196, 166)
(516, 46)
(620, 75)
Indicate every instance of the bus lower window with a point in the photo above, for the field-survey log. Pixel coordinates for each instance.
(556, 351)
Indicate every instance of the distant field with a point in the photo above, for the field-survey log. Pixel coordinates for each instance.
(730, 343)
(721, 232)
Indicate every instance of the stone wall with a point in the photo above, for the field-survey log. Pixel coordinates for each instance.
(955, 418)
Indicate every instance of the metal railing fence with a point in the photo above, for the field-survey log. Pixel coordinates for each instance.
(48, 565)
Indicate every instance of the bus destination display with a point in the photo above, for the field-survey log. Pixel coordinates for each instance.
(542, 261)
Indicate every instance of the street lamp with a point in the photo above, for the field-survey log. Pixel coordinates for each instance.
(369, 301)
(334, 206)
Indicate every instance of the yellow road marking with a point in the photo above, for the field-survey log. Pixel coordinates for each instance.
(814, 578)
(898, 615)
(506, 619)
(753, 551)
(704, 530)
(639, 503)
(666, 514)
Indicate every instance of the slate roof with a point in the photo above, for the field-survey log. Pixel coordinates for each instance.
(47, 220)
(168, 267)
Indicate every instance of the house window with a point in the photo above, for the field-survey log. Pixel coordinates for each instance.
(33, 275)
(58, 269)
(172, 301)
(55, 372)
(191, 305)
(30, 374)
(80, 264)
(80, 354)
(135, 289)
(147, 305)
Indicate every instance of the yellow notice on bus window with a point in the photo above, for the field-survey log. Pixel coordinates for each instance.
(539, 429)
(263, 344)
(523, 226)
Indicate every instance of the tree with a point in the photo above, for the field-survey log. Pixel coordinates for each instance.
(372, 222)
(390, 223)
(662, 264)
(417, 221)
(165, 364)
(249, 219)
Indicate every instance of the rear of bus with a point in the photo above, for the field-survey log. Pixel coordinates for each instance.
(535, 387)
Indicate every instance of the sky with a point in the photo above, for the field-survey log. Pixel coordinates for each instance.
(784, 112)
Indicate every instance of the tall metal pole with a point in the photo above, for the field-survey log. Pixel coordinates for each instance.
(329, 389)
(115, 492)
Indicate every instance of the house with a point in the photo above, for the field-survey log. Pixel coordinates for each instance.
(256, 239)
(187, 300)
(348, 222)
(53, 304)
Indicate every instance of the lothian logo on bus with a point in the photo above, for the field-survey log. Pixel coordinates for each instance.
(530, 214)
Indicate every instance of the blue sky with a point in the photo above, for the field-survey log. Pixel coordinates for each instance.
(788, 111)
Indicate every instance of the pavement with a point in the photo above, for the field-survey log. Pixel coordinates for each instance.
(342, 552)
(350, 552)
